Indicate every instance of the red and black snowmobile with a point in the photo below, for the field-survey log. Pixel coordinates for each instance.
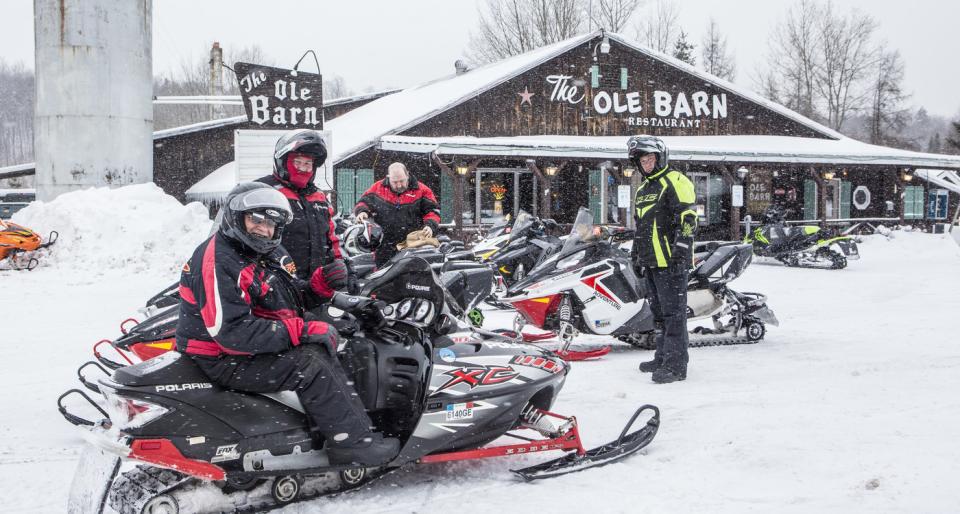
(201, 448)
(18, 245)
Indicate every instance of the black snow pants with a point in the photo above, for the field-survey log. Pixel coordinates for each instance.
(332, 406)
(667, 292)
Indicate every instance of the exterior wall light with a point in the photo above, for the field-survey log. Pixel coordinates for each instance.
(627, 172)
(550, 170)
(828, 175)
(742, 172)
(462, 170)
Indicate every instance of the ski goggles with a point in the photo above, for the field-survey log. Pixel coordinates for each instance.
(269, 217)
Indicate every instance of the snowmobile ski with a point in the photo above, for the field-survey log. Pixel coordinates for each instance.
(624, 446)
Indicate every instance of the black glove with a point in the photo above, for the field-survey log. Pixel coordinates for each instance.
(680, 257)
(367, 310)
(328, 278)
(318, 332)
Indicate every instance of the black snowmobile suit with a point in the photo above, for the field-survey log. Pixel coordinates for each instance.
(311, 237)
(665, 219)
(241, 320)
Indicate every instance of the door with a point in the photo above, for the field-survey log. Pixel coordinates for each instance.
(502, 192)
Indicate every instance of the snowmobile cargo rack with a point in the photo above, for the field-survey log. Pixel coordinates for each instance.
(107, 362)
(75, 419)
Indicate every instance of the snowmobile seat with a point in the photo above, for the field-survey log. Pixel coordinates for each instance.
(168, 368)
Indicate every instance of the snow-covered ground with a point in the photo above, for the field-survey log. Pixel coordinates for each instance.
(851, 405)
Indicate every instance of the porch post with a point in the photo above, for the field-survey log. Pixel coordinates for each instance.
(730, 181)
(821, 195)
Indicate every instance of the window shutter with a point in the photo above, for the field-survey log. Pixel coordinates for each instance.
(623, 79)
(809, 199)
(715, 194)
(845, 199)
(446, 198)
(595, 176)
(595, 76)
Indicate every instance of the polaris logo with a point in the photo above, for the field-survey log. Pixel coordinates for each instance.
(172, 388)
(415, 287)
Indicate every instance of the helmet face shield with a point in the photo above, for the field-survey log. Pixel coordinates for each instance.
(265, 206)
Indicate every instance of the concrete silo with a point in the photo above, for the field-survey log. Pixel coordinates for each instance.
(93, 122)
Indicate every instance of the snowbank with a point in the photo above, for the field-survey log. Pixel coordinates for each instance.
(132, 229)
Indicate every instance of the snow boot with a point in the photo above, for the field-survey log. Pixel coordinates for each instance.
(666, 376)
(650, 366)
(370, 450)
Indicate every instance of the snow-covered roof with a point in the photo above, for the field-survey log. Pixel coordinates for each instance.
(214, 187)
(362, 127)
(782, 149)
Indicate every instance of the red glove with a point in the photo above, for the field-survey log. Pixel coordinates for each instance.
(329, 278)
(318, 332)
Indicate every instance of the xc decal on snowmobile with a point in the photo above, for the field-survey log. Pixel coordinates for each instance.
(477, 376)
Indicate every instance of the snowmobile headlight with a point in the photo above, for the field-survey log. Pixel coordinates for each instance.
(571, 261)
(129, 412)
(404, 309)
(423, 310)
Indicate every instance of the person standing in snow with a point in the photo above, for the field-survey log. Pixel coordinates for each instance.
(310, 238)
(662, 252)
(399, 204)
(243, 323)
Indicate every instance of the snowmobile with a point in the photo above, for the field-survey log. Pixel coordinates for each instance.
(196, 447)
(529, 242)
(19, 244)
(590, 286)
(803, 246)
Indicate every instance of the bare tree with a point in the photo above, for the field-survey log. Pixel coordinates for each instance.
(716, 59)
(656, 29)
(792, 59)
(335, 86)
(613, 15)
(888, 116)
(17, 88)
(848, 53)
(512, 27)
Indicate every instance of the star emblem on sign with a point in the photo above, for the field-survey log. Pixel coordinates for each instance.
(526, 96)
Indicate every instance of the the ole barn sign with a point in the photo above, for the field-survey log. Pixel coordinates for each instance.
(275, 98)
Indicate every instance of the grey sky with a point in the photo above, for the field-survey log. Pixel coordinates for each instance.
(401, 43)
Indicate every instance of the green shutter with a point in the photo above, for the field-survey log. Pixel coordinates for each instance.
(595, 76)
(446, 198)
(845, 199)
(623, 79)
(364, 181)
(595, 176)
(809, 199)
(346, 198)
(715, 194)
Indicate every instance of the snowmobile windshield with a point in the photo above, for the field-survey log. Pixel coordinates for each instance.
(583, 231)
(523, 222)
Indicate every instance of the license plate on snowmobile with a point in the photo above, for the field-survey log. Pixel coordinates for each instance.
(95, 473)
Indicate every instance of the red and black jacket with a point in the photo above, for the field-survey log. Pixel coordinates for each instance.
(236, 302)
(310, 238)
(401, 214)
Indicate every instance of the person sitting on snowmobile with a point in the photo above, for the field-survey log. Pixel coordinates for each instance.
(242, 321)
(663, 251)
(311, 237)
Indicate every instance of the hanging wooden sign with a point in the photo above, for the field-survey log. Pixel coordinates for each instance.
(277, 98)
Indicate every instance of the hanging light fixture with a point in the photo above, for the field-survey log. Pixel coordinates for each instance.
(462, 170)
(628, 172)
(551, 170)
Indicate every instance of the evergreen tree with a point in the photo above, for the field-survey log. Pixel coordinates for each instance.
(935, 145)
(954, 142)
(683, 49)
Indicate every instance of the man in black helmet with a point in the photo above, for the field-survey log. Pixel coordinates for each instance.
(662, 249)
(243, 323)
(310, 238)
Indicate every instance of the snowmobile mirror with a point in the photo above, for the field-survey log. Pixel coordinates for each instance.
(444, 324)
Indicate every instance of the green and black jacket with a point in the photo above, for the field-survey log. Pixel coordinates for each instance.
(665, 218)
